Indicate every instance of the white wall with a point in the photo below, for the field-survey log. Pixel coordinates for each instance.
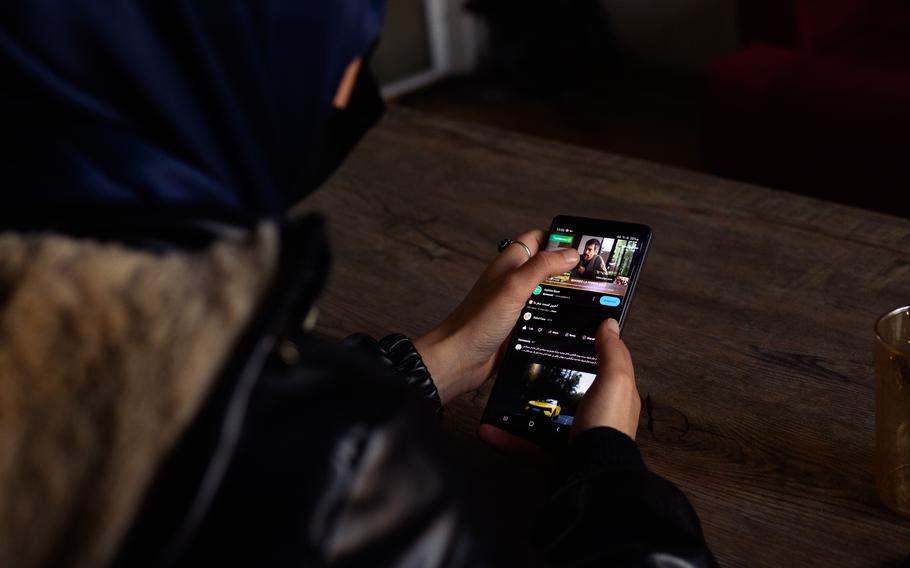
(678, 35)
(467, 36)
(681, 35)
(424, 40)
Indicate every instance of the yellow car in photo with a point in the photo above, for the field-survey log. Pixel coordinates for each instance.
(549, 407)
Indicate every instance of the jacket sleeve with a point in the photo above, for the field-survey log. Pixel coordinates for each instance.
(401, 505)
(607, 509)
(397, 353)
(610, 510)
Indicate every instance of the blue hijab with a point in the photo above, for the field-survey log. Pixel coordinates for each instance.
(170, 108)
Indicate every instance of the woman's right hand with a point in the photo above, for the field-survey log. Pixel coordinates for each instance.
(612, 400)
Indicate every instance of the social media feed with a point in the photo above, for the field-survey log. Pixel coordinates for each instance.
(552, 360)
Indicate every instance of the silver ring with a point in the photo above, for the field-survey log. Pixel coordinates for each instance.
(504, 244)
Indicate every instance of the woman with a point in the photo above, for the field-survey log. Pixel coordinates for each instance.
(161, 398)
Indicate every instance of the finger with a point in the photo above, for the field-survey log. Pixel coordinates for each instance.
(543, 265)
(612, 400)
(613, 358)
(515, 255)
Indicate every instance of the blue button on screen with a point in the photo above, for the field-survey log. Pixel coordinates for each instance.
(609, 301)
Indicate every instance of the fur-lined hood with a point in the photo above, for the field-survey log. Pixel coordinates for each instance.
(106, 353)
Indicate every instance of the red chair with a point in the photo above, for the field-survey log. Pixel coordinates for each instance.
(818, 101)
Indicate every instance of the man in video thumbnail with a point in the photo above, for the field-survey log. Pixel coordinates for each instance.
(591, 265)
(605, 263)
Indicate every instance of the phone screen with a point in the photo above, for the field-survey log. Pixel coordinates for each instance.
(550, 360)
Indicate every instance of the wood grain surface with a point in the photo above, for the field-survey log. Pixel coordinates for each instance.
(751, 330)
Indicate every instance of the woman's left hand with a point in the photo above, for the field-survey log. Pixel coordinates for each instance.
(462, 352)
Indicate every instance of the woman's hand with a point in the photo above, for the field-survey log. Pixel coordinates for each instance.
(463, 351)
(612, 400)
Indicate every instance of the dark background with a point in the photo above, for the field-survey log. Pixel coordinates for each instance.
(800, 95)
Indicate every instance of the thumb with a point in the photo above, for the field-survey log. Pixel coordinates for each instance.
(613, 358)
(545, 264)
(612, 400)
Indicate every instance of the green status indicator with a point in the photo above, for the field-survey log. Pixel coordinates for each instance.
(561, 238)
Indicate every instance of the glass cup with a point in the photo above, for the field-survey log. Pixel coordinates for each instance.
(892, 410)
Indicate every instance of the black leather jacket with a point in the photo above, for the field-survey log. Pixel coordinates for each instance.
(313, 453)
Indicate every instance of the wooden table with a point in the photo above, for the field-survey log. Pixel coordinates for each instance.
(751, 330)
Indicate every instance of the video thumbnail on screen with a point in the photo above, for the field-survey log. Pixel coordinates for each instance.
(545, 395)
(605, 264)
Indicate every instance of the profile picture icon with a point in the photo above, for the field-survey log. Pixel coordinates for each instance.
(527, 316)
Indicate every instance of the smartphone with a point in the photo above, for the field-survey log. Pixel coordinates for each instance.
(550, 359)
